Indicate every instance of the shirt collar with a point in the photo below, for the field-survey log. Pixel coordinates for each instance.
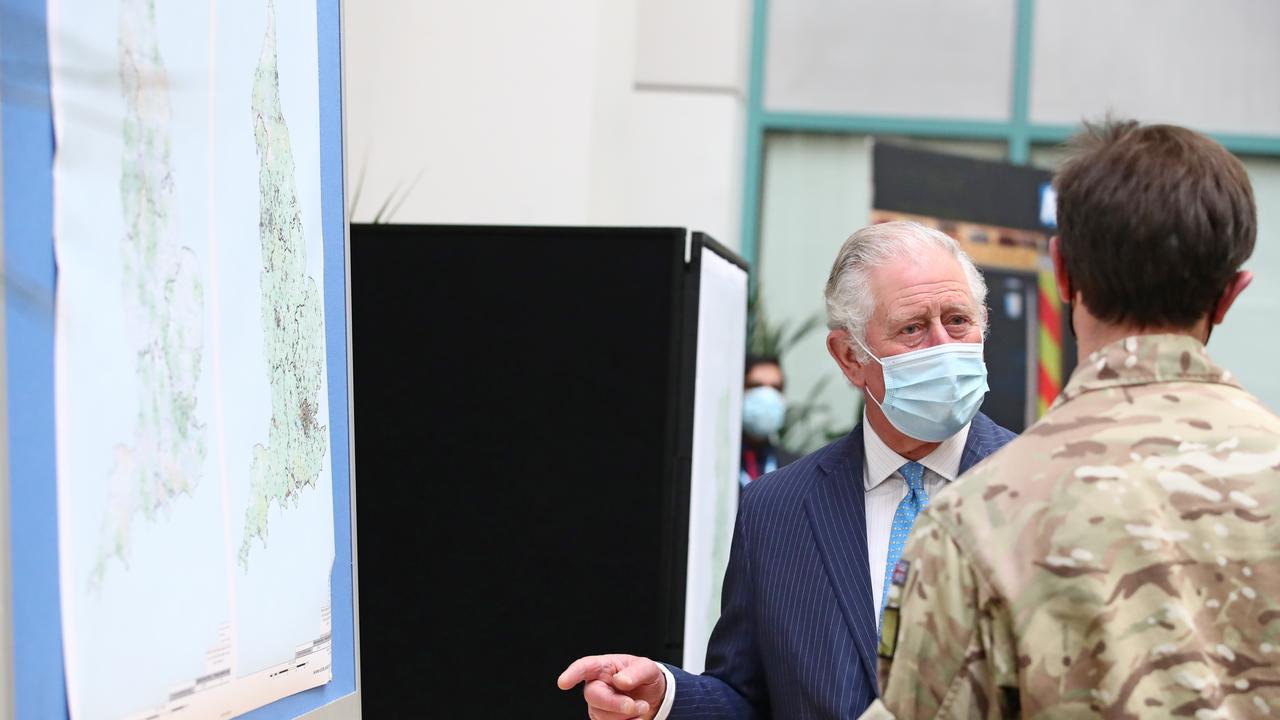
(882, 463)
(1144, 359)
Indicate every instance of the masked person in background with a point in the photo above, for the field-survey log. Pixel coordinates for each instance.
(764, 412)
(1121, 559)
(798, 631)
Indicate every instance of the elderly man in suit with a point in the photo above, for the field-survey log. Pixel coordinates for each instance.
(816, 541)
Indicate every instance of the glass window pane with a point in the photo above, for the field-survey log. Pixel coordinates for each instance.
(918, 58)
(1207, 65)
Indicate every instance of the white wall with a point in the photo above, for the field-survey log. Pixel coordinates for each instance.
(557, 112)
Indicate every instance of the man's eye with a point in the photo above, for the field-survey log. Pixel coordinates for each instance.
(911, 329)
(959, 320)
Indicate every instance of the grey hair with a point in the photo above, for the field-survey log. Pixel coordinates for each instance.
(848, 294)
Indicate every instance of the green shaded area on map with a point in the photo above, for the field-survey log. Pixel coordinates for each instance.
(163, 302)
(292, 320)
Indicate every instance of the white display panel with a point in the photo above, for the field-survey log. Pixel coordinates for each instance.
(717, 446)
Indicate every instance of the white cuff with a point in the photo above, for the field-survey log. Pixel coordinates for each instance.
(670, 697)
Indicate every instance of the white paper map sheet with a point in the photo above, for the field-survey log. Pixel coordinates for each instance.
(195, 503)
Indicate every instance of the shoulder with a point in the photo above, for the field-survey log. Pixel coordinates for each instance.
(985, 430)
(966, 510)
(1004, 464)
(1100, 428)
(1242, 408)
(1057, 472)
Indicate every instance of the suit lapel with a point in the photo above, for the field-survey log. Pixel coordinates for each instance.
(836, 509)
(980, 443)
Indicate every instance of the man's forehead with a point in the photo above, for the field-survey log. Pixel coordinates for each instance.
(907, 285)
(911, 299)
(930, 288)
(923, 267)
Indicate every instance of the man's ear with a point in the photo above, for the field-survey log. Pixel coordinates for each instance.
(1235, 286)
(840, 345)
(1060, 274)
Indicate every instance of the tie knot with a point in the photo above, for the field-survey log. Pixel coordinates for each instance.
(913, 473)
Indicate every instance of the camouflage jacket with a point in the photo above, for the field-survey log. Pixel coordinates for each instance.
(1120, 559)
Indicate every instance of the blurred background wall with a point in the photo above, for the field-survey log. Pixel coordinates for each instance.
(549, 112)
(751, 119)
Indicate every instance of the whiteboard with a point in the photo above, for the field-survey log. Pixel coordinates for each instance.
(717, 445)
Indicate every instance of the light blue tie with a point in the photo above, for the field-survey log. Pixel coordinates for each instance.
(915, 501)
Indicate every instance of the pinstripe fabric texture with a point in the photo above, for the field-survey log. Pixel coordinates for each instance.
(797, 632)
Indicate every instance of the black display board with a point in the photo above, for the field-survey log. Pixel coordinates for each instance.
(523, 410)
(1011, 302)
(959, 188)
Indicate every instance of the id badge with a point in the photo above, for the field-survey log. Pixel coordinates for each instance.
(889, 625)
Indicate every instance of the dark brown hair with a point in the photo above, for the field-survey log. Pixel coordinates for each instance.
(1152, 222)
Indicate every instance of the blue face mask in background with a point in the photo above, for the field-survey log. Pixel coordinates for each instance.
(931, 394)
(763, 411)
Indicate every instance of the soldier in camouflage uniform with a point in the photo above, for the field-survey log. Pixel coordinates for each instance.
(1121, 559)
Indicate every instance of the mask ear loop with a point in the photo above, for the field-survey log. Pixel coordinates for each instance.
(866, 349)
(865, 391)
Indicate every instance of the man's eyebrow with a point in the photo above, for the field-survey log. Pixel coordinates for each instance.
(905, 316)
(918, 314)
(957, 306)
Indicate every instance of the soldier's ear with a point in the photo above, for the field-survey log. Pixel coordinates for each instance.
(1235, 286)
(1060, 274)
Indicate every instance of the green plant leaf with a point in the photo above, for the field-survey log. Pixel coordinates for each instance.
(407, 192)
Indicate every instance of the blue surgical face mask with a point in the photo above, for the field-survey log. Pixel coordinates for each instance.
(763, 411)
(931, 394)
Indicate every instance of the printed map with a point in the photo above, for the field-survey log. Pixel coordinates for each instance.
(195, 490)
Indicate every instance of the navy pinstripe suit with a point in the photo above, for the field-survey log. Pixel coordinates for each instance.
(797, 632)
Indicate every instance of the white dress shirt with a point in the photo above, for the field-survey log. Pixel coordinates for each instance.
(885, 488)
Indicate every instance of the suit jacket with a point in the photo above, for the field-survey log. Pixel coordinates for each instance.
(797, 632)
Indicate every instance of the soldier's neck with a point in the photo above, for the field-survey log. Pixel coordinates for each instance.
(1093, 334)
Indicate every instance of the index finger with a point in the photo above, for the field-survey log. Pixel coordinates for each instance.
(592, 667)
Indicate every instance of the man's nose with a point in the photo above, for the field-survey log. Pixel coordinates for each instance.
(938, 333)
